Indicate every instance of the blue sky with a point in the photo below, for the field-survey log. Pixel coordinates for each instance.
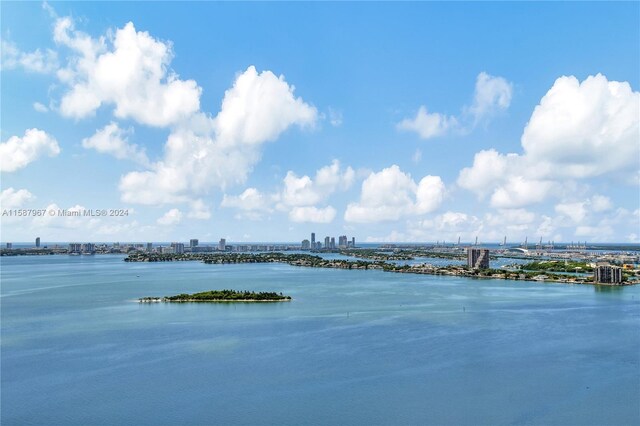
(266, 121)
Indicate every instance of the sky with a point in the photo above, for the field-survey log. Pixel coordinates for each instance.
(388, 122)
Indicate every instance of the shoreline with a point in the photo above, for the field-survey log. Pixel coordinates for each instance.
(166, 300)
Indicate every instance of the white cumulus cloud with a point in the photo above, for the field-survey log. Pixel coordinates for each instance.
(38, 61)
(392, 194)
(12, 198)
(491, 94)
(128, 69)
(429, 125)
(113, 140)
(206, 153)
(171, 217)
(312, 214)
(17, 151)
(579, 130)
(579, 124)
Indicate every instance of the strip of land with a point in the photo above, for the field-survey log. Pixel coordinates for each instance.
(560, 272)
(219, 296)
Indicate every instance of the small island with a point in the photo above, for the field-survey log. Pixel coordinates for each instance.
(220, 296)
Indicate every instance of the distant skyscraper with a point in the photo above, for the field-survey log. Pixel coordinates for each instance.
(306, 245)
(606, 273)
(75, 248)
(149, 247)
(9, 245)
(222, 245)
(88, 248)
(178, 248)
(313, 240)
(353, 241)
(327, 242)
(478, 258)
(333, 243)
(342, 241)
(38, 242)
(193, 243)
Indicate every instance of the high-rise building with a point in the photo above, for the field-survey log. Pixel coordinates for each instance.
(222, 245)
(9, 245)
(178, 248)
(333, 243)
(193, 242)
(149, 247)
(478, 258)
(306, 245)
(313, 240)
(88, 248)
(342, 241)
(75, 248)
(37, 242)
(353, 241)
(606, 273)
(327, 242)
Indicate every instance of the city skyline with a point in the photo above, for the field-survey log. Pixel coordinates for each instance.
(416, 122)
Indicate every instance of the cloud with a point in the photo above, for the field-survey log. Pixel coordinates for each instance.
(392, 194)
(203, 153)
(312, 214)
(491, 94)
(199, 210)
(335, 117)
(113, 140)
(429, 125)
(298, 196)
(578, 211)
(11, 198)
(578, 131)
(304, 191)
(250, 199)
(17, 151)
(40, 107)
(417, 156)
(37, 61)
(518, 191)
(129, 70)
(578, 125)
(172, 217)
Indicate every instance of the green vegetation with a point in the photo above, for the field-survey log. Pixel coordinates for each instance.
(221, 296)
(550, 271)
(557, 266)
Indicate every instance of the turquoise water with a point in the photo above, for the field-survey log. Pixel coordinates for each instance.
(353, 347)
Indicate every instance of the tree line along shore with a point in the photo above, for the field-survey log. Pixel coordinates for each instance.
(219, 296)
(561, 272)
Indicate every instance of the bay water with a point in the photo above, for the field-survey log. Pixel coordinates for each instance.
(352, 347)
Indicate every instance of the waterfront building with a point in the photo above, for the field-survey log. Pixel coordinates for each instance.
(342, 241)
(222, 244)
(477, 258)
(327, 242)
(306, 245)
(37, 242)
(178, 248)
(193, 242)
(313, 240)
(75, 248)
(9, 245)
(333, 243)
(149, 247)
(353, 242)
(88, 248)
(607, 273)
